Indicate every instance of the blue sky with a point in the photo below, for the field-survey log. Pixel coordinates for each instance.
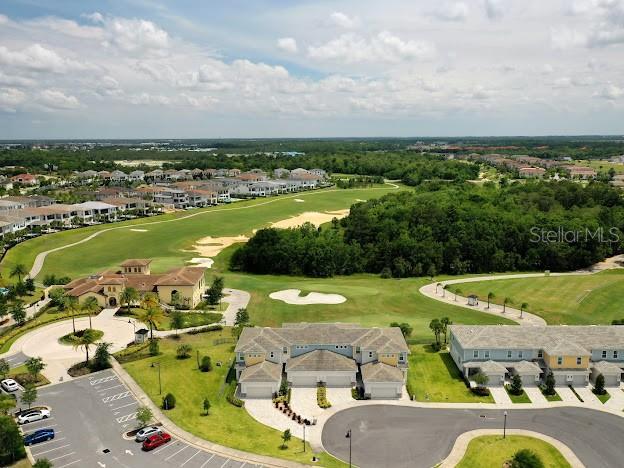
(144, 69)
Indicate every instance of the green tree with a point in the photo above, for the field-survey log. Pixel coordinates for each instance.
(506, 301)
(71, 305)
(177, 320)
(56, 296)
(84, 340)
(184, 351)
(526, 458)
(286, 436)
(4, 307)
(101, 359)
(481, 379)
(4, 367)
(550, 384)
(90, 306)
(523, 307)
(599, 387)
(129, 296)
(43, 463)
(150, 316)
(18, 270)
(206, 364)
(406, 328)
(206, 406)
(242, 317)
(34, 365)
(144, 416)
(215, 292)
(490, 298)
(445, 322)
(6, 403)
(516, 385)
(29, 284)
(436, 327)
(11, 441)
(18, 313)
(154, 348)
(169, 401)
(29, 395)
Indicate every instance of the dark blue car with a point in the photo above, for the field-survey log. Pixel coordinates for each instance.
(39, 436)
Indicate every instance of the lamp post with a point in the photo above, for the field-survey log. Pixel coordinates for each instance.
(157, 364)
(504, 424)
(304, 437)
(133, 325)
(348, 436)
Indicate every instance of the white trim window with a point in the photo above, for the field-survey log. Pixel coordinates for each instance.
(604, 354)
(520, 354)
(509, 354)
(559, 360)
(615, 354)
(486, 354)
(579, 360)
(475, 353)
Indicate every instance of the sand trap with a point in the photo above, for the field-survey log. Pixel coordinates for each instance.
(202, 261)
(212, 246)
(291, 296)
(299, 200)
(139, 230)
(359, 200)
(314, 217)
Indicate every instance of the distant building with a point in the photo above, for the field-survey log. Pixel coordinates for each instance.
(531, 171)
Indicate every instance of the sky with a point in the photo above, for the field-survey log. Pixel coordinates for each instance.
(294, 68)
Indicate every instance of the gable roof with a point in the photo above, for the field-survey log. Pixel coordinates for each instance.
(380, 372)
(185, 276)
(132, 262)
(321, 360)
(262, 372)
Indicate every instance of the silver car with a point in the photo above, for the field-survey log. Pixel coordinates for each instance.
(147, 432)
(33, 415)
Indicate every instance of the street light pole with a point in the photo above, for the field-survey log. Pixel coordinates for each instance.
(304, 437)
(505, 424)
(348, 436)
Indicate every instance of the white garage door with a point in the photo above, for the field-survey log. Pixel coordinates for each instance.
(259, 391)
(378, 392)
(302, 380)
(338, 381)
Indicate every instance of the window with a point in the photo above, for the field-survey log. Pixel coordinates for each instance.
(475, 354)
(370, 354)
(487, 354)
(540, 354)
(578, 361)
(401, 358)
(559, 360)
(509, 354)
(520, 354)
(615, 354)
(569, 378)
(604, 354)
(285, 350)
(272, 354)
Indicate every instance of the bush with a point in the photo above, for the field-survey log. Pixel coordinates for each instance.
(206, 364)
(357, 393)
(321, 397)
(184, 351)
(480, 391)
(207, 328)
(386, 273)
(154, 348)
(599, 388)
(231, 395)
(12, 442)
(526, 458)
(516, 385)
(169, 401)
(410, 390)
(436, 347)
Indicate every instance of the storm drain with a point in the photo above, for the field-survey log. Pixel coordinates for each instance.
(106, 451)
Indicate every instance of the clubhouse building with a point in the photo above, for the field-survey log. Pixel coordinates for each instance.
(575, 355)
(185, 285)
(333, 354)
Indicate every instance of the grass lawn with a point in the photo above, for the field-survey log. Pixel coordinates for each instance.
(169, 243)
(226, 424)
(554, 397)
(604, 398)
(493, 451)
(434, 377)
(573, 300)
(522, 398)
(191, 319)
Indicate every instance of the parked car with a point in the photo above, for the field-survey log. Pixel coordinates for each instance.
(40, 435)
(9, 385)
(147, 432)
(33, 415)
(156, 440)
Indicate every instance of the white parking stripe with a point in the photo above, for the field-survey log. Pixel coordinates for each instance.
(129, 404)
(117, 396)
(62, 456)
(48, 442)
(109, 388)
(38, 422)
(70, 463)
(192, 456)
(164, 447)
(50, 450)
(35, 430)
(171, 456)
(206, 462)
(102, 380)
(225, 462)
(127, 417)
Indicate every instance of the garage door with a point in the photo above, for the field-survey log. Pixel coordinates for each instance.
(338, 381)
(259, 391)
(378, 392)
(302, 380)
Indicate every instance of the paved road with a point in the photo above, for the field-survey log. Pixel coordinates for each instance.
(401, 436)
(15, 360)
(90, 416)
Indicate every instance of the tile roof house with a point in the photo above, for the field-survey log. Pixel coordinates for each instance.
(185, 284)
(330, 353)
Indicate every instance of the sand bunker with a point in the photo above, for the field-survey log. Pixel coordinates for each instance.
(299, 200)
(291, 296)
(139, 230)
(314, 217)
(359, 200)
(202, 261)
(212, 246)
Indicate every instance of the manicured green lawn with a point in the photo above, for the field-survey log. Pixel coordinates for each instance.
(554, 397)
(522, 398)
(434, 377)
(574, 300)
(226, 424)
(169, 243)
(604, 398)
(191, 319)
(493, 451)
(71, 338)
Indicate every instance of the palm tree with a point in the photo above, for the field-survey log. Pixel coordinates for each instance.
(86, 339)
(505, 302)
(436, 327)
(150, 301)
(72, 307)
(445, 322)
(128, 296)
(523, 307)
(18, 270)
(150, 316)
(457, 291)
(90, 305)
(489, 298)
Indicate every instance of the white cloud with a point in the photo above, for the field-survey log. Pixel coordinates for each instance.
(494, 9)
(39, 58)
(56, 99)
(68, 27)
(287, 44)
(384, 47)
(19, 81)
(10, 98)
(3, 19)
(342, 20)
(610, 92)
(136, 35)
(95, 17)
(457, 11)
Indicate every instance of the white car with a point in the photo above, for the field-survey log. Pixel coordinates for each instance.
(147, 432)
(9, 385)
(33, 415)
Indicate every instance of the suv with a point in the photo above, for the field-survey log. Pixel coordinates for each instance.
(147, 432)
(9, 385)
(33, 415)
(39, 436)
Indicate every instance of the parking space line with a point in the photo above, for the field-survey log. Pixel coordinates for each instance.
(35, 430)
(225, 462)
(62, 456)
(129, 404)
(165, 447)
(171, 456)
(49, 442)
(109, 388)
(192, 456)
(103, 379)
(126, 418)
(70, 463)
(206, 462)
(50, 450)
(117, 396)
(37, 422)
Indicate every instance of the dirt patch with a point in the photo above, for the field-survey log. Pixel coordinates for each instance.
(315, 217)
(291, 296)
(212, 246)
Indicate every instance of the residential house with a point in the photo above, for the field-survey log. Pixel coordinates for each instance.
(25, 179)
(532, 172)
(581, 172)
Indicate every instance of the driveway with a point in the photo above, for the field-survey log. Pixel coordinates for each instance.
(236, 299)
(535, 394)
(567, 395)
(400, 436)
(500, 395)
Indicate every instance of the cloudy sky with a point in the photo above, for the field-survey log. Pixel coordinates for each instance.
(292, 68)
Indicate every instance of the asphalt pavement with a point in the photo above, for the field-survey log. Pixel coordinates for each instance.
(399, 436)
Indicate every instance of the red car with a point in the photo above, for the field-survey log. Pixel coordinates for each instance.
(156, 441)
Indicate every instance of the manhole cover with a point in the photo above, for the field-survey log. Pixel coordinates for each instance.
(106, 450)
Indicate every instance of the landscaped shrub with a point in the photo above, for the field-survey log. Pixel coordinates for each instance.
(154, 348)
(480, 391)
(516, 385)
(184, 351)
(410, 390)
(549, 387)
(207, 328)
(206, 364)
(599, 387)
(357, 393)
(321, 397)
(169, 401)
(231, 395)
(526, 458)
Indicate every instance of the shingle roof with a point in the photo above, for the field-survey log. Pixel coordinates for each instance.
(321, 360)
(605, 367)
(132, 262)
(489, 367)
(380, 372)
(524, 367)
(262, 372)
(566, 348)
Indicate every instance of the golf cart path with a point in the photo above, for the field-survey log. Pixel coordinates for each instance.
(41, 257)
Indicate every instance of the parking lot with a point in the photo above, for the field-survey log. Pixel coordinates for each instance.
(90, 416)
(16, 360)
